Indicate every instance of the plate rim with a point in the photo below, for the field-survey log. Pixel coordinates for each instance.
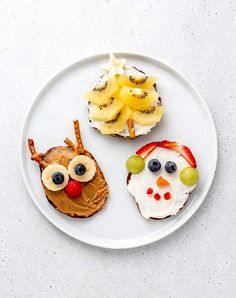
(138, 241)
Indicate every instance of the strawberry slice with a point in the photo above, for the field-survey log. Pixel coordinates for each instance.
(183, 150)
(187, 154)
(147, 149)
(170, 145)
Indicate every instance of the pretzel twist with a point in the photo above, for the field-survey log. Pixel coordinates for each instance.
(78, 147)
(38, 157)
(131, 128)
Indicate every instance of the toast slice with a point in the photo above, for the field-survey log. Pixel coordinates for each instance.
(94, 192)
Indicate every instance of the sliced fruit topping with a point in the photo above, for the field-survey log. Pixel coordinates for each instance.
(162, 182)
(102, 92)
(82, 168)
(189, 176)
(135, 164)
(73, 189)
(118, 124)
(167, 196)
(114, 66)
(137, 98)
(106, 112)
(187, 154)
(136, 81)
(148, 117)
(55, 177)
(170, 167)
(183, 150)
(157, 196)
(149, 191)
(146, 149)
(154, 165)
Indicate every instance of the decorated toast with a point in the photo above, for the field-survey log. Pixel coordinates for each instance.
(161, 177)
(72, 179)
(125, 101)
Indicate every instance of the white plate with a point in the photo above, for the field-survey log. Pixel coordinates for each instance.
(49, 121)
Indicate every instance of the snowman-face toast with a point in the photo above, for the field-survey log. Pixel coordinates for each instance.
(161, 177)
(72, 179)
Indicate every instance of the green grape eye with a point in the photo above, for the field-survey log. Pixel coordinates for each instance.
(135, 164)
(189, 176)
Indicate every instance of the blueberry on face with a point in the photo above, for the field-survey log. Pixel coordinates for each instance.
(170, 167)
(154, 165)
(80, 169)
(58, 178)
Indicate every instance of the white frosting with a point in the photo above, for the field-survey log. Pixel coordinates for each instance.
(138, 185)
(139, 129)
(117, 66)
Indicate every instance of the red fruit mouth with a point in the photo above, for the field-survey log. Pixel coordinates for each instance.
(167, 196)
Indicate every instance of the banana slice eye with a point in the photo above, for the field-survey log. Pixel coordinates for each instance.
(82, 168)
(55, 177)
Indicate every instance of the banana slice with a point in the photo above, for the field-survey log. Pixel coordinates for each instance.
(55, 177)
(82, 168)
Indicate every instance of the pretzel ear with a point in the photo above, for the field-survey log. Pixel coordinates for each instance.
(78, 147)
(78, 136)
(38, 157)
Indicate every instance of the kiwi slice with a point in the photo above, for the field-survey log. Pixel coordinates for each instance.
(138, 99)
(118, 124)
(136, 81)
(148, 117)
(106, 112)
(102, 92)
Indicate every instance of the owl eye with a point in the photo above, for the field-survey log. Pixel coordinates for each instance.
(154, 165)
(55, 177)
(170, 167)
(82, 168)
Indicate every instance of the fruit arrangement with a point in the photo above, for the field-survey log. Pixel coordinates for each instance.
(73, 181)
(124, 102)
(161, 177)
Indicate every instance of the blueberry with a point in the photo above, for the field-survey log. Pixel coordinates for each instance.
(154, 165)
(80, 169)
(58, 178)
(170, 167)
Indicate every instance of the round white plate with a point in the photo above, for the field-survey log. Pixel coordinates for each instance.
(187, 120)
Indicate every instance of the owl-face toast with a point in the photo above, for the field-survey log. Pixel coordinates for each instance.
(72, 179)
(161, 177)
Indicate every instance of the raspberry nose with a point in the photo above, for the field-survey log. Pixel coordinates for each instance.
(73, 189)
(162, 182)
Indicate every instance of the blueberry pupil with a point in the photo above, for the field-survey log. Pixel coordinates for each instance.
(58, 178)
(80, 169)
(170, 167)
(154, 165)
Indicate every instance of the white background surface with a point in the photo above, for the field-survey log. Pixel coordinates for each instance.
(38, 39)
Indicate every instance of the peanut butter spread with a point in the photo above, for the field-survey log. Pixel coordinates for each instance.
(94, 193)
